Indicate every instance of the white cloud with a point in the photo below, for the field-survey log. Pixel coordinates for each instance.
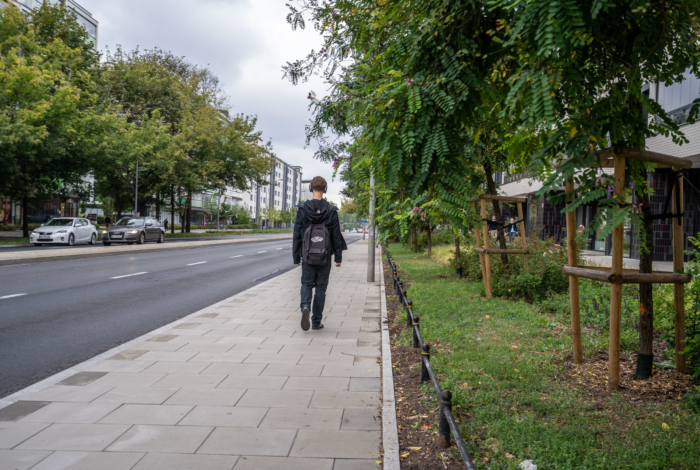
(245, 43)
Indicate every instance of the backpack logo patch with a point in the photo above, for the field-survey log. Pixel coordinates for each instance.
(317, 239)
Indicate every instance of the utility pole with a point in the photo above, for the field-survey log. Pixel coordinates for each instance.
(136, 192)
(370, 250)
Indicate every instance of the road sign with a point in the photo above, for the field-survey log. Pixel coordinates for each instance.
(363, 221)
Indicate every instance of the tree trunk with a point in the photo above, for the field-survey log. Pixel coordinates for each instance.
(645, 355)
(497, 212)
(172, 209)
(158, 206)
(25, 217)
(457, 256)
(415, 240)
(118, 207)
(188, 214)
(430, 240)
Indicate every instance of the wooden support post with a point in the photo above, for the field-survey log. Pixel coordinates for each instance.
(573, 280)
(678, 288)
(616, 289)
(478, 245)
(487, 257)
(523, 238)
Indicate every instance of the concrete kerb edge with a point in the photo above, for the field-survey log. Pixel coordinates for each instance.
(390, 433)
(54, 379)
(169, 247)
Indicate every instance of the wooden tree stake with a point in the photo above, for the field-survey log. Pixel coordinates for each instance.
(487, 257)
(523, 238)
(573, 280)
(481, 255)
(678, 265)
(616, 289)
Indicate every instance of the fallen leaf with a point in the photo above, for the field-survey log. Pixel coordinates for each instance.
(487, 317)
(509, 456)
(378, 461)
(415, 449)
(665, 426)
(403, 456)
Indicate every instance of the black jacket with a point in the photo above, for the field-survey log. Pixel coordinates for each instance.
(316, 211)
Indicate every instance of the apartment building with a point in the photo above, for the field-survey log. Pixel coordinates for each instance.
(545, 219)
(281, 191)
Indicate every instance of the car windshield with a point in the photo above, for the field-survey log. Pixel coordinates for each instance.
(130, 222)
(60, 222)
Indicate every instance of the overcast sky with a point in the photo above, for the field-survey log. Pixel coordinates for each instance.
(245, 43)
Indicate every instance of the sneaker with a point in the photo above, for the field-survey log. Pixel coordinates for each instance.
(320, 325)
(305, 311)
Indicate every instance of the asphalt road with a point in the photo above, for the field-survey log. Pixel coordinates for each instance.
(55, 315)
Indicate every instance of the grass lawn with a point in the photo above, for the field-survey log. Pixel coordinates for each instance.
(13, 241)
(504, 362)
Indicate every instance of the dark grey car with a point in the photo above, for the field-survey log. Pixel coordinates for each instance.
(132, 230)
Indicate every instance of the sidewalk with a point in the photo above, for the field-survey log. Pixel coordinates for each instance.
(237, 385)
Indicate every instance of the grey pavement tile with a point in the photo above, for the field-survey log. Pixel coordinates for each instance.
(266, 327)
(286, 463)
(317, 383)
(189, 380)
(145, 438)
(79, 413)
(168, 356)
(147, 396)
(364, 384)
(240, 340)
(20, 459)
(270, 358)
(339, 399)
(256, 348)
(337, 444)
(351, 371)
(89, 461)
(356, 464)
(276, 398)
(236, 417)
(151, 346)
(213, 347)
(253, 382)
(295, 349)
(129, 379)
(136, 365)
(157, 461)
(162, 338)
(176, 368)
(147, 414)
(367, 420)
(315, 334)
(295, 418)
(238, 441)
(81, 378)
(369, 329)
(230, 368)
(312, 370)
(209, 396)
(87, 437)
(367, 361)
(208, 339)
(12, 434)
(363, 343)
(245, 321)
(288, 341)
(186, 326)
(208, 315)
(68, 393)
(277, 333)
(20, 409)
(333, 342)
(361, 335)
(356, 351)
(231, 356)
(127, 355)
(337, 360)
(193, 332)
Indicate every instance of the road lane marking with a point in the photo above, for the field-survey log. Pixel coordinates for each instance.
(262, 252)
(280, 248)
(11, 296)
(129, 275)
(194, 264)
(237, 256)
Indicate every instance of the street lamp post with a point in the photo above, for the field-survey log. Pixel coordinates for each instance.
(370, 235)
(136, 191)
(218, 203)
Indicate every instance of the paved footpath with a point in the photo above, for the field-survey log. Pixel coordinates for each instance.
(237, 385)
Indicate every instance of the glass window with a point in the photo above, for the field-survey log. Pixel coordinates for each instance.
(60, 222)
(129, 222)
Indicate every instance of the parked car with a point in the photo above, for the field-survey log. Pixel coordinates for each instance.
(132, 230)
(64, 231)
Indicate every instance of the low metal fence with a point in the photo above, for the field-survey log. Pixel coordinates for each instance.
(447, 425)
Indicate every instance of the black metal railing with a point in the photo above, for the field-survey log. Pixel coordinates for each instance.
(447, 424)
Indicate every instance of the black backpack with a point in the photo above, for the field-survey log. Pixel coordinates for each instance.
(317, 245)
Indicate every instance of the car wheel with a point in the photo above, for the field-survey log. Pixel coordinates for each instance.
(93, 240)
(71, 240)
(161, 238)
(142, 239)
(37, 244)
(106, 243)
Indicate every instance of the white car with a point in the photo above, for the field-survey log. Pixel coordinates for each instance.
(64, 231)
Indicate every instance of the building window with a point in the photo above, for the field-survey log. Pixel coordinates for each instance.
(251, 197)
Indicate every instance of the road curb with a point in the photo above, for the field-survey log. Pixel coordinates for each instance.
(146, 249)
(390, 433)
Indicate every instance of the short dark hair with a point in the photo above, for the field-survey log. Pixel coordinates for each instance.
(318, 183)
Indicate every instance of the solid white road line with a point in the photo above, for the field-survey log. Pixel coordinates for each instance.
(237, 256)
(194, 264)
(262, 252)
(129, 275)
(10, 296)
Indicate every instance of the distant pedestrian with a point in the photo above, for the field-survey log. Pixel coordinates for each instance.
(511, 230)
(165, 224)
(493, 226)
(108, 222)
(316, 237)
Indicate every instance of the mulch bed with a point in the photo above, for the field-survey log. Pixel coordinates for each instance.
(418, 423)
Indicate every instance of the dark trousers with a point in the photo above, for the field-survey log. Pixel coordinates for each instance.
(314, 277)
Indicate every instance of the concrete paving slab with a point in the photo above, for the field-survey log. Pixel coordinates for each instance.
(21, 459)
(89, 461)
(286, 463)
(12, 434)
(85, 437)
(82, 378)
(128, 379)
(356, 464)
(69, 393)
(176, 439)
(136, 365)
(128, 355)
(293, 370)
(233, 369)
(294, 418)
(198, 396)
(326, 359)
(79, 413)
(148, 414)
(276, 398)
(231, 356)
(364, 384)
(189, 380)
(340, 399)
(317, 383)
(20, 409)
(270, 358)
(351, 371)
(160, 368)
(367, 420)
(245, 441)
(253, 382)
(336, 444)
(159, 461)
(237, 417)
(147, 396)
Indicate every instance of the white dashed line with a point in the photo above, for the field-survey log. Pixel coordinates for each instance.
(280, 248)
(10, 296)
(237, 256)
(194, 264)
(129, 275)
(262, 252)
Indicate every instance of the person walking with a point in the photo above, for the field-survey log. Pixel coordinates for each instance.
(316, 237)
(165, 224)
(108, 222)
